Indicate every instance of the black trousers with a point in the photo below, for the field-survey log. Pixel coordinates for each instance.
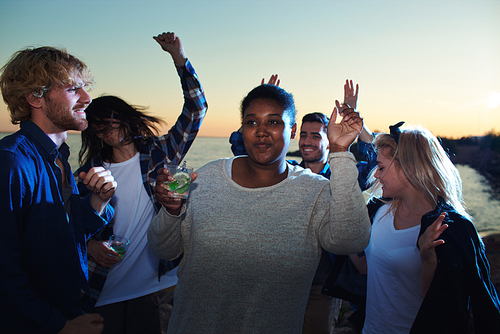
(148, 314)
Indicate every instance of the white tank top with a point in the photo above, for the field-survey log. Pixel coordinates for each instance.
(394, 291)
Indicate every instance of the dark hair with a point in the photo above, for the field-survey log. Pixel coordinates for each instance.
(271, 92)
(316, 117)
(134, 125)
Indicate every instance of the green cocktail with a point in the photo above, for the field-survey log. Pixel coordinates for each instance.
(181, 182)
(119, 248)
(119, 245)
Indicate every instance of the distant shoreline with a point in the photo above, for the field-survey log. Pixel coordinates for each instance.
(485, 161)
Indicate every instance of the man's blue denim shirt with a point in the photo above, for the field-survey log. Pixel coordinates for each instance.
(43, 255)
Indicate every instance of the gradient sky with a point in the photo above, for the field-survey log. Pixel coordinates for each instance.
(429, 62)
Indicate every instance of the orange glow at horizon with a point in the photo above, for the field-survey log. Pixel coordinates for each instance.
(414, 60)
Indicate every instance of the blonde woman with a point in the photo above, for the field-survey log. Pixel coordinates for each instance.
(425, 262)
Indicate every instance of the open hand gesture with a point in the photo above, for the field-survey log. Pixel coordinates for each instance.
(341, 135)
(273, 80)
(350, 96)
(428, 241)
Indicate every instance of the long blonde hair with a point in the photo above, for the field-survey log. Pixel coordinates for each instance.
(426, 165)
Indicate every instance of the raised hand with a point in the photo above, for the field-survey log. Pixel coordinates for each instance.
(273, 80)
(170, 43)
(350, 96)
(341, 135)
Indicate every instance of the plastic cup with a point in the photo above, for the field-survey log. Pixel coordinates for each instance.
(181, 182)
(119, 245)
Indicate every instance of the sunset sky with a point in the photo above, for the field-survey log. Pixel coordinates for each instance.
(429, 62)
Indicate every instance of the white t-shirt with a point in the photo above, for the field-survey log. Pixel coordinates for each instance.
(394, 290)
(137, 274)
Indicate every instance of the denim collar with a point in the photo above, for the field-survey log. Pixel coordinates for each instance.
(43, 142)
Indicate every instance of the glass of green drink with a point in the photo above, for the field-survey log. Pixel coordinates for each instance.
(181, 182)
(119, 245)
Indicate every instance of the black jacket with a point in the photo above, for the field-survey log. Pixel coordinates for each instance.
(461, 279)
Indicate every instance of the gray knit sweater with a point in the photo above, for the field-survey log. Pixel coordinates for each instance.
(250, 254)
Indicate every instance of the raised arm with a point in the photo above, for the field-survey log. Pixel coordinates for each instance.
(365, 138)
(341, 135)
(349, 228)
(351, 101)
(170, 43)
(350, 95)
(181, 135)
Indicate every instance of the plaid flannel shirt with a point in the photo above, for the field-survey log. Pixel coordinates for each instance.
(169, 148)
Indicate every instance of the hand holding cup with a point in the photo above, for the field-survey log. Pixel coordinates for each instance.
(172, 186)
(119, 245)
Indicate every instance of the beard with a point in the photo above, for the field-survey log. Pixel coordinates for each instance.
(311, 159)
(63, 117)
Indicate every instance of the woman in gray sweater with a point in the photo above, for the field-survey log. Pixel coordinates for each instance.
(253, 227)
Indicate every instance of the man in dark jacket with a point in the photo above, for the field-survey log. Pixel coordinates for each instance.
(45, 224)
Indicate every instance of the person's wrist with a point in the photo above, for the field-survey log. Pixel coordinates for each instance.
(173, 211)
(98, 203)
(180, 62)
(179, 58)
(344, 107)
(428, 259)
(90, 247)
(366, 136)
(338, 148)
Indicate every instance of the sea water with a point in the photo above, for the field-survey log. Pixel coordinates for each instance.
(477, 193)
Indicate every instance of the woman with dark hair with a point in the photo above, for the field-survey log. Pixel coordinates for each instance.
(106, 113)
(133, 294)
(251, 232)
